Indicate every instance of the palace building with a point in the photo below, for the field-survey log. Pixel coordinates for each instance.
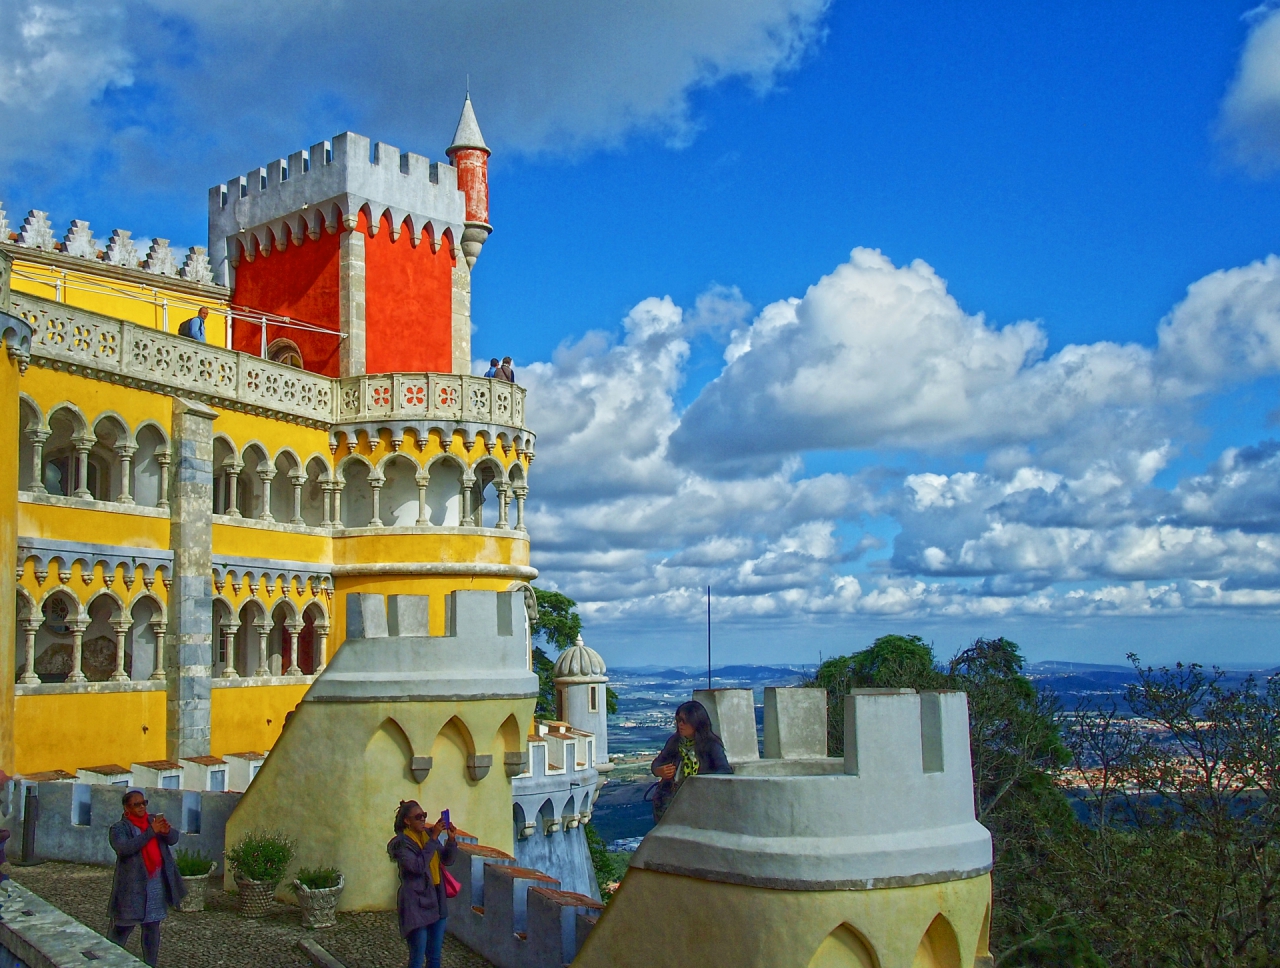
(186, 515)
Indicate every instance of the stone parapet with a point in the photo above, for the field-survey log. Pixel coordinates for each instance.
(897, 810)
(35, 934)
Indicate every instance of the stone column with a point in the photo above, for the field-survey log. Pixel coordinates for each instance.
(322, 648)
(126, 452)
(187, 664)
(122, 632)
(30, 626)
(267, 476)
(337, 505)
(229, 645)
(464, 516)
(233, 489)
(423, 518)
(326, 497)
(37, 438)
(292, 631)
(297, 479)
(376, 484)
(504, 499)
(162, 458)
(77, 651)
(82, 444)
(158, 630)
(351, 299)
(264, 636)
(522, 492)
(461, 317)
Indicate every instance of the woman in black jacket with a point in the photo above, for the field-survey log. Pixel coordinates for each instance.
(693, 749)
(146, 881)
(418, 852)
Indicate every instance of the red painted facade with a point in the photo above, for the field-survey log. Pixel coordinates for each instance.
(408, 304)
(473, 179)
(408, 301)
(301, 283)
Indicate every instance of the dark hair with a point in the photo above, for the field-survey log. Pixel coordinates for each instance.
(403, 811)
(493, 361)
(506, 359)
(694, 714)
(124, 800)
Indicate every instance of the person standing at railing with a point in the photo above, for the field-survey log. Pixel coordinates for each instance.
(493, 368)
(506, 371)
(193, 328)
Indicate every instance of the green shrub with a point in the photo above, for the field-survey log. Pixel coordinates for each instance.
(262, 856)
(318, 878)
(192, 863)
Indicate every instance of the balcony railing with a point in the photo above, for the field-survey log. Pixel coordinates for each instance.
(140, 355)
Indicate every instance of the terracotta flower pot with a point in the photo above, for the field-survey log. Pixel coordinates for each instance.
(319, 905)
(256, 897)
(197, 887)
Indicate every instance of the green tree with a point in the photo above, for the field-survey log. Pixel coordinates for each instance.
(558, 624)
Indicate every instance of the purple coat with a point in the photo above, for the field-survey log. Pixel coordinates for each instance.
(419, 902)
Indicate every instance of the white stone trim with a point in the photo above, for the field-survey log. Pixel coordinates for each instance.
(481, 569)
(112, 507)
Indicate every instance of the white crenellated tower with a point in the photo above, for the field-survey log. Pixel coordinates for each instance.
(581, 696)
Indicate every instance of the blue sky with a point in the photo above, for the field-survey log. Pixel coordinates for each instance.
(980, 429)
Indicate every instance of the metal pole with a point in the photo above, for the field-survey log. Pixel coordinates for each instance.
(708, 636)
(30, 814)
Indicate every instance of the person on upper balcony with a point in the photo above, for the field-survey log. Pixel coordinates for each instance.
(692, 750)
(493, 368)
(193, 328)
(506, 371)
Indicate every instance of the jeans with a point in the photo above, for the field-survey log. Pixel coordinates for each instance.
(425, 945)
(150, 939)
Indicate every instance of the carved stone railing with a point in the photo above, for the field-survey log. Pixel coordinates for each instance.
(430, 396)
(76, 339)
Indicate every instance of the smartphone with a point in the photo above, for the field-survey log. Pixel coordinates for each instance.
(444, 815)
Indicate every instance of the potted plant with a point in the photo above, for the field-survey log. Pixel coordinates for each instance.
(317, 890)
(196, 869)
(258, 863)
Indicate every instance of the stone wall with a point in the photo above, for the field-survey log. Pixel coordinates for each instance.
(35, 934)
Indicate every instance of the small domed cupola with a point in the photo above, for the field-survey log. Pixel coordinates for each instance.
(578, 663)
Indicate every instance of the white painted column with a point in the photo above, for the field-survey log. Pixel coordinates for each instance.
(522, 491)
(423, 518)
(465, 519)
(322, 648)
(326, 496)
(233, 483)
(376, 484)
(337, 504)
(264, 633)
(264, 513)
(162, 458)
(504, 499)
(37, 438)
(297, 478)
(82, 445)
(229, 646)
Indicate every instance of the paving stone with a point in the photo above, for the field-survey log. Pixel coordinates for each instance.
(220, 938)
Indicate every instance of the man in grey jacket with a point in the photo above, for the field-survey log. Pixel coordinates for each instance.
(146, 881)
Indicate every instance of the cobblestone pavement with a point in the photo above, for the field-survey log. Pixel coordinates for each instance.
(219, 937)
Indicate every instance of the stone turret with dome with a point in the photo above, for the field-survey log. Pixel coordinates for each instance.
(582, 696)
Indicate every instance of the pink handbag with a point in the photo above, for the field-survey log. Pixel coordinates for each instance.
(451, 885)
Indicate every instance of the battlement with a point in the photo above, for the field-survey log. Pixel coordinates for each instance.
(326, 188)
(896, 809)
(391, 655)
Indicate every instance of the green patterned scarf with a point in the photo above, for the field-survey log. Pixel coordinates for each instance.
(688, 757)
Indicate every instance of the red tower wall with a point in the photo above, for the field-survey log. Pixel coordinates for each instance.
(473, 179)
(408, 304)
(302, 283)
(408, 301)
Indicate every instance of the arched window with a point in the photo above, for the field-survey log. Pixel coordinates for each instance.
(286, 352)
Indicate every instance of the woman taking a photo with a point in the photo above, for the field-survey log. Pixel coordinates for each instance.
(418, 852)
(693, 749)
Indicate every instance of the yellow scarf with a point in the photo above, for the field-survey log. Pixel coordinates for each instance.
(421, 840)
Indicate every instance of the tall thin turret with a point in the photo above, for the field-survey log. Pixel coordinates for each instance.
(470, 155)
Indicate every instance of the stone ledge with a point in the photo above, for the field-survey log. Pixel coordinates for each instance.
(41, 936)
(90, 688)
(244, 682)
(57, 500)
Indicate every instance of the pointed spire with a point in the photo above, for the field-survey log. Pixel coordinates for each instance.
(468, 134)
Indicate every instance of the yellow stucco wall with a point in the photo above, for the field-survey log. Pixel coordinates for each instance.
(339, 770)
(72, 731)
(138, 300)
(250, 718)
(668, 920)
(47, 388)
(83, 523)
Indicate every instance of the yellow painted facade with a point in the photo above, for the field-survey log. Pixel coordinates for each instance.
(99, 561)
(927, 926)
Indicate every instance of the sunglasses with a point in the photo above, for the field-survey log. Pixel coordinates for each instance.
(416, 816)
(138, 803)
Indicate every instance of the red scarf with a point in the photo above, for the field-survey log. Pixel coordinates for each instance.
(151, 852)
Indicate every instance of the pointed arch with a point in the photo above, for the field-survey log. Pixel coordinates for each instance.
(939, 947)
(845, 947)
(389, 753)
